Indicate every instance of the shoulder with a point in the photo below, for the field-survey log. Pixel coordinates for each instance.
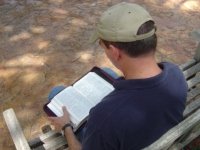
(169, 66)
(172, 70)
(175, 83)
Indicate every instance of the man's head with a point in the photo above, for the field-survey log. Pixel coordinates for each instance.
(128, 28)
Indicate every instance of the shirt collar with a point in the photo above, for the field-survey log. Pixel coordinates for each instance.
(142, 83)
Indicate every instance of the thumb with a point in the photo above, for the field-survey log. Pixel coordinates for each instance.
(64, 110)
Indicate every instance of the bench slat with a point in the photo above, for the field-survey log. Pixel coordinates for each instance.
(35, 143)
(39, 148)
(193, 93)
(194, 81)
(191, 107)
(168, 138)
(48, 136)
(187, 65)
(55, 143)
(191, 71)
(15, 130)
(191, 137)
(182, 143)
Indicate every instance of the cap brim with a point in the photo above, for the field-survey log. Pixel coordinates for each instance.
(195, 34)
(94, 38)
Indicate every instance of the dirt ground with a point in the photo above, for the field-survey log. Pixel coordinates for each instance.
(44, 43)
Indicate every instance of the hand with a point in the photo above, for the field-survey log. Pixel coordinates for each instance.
(59, 122)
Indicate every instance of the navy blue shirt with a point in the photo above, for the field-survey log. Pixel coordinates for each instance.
(137, 112)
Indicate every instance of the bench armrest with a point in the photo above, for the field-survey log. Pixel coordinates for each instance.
(15, 130)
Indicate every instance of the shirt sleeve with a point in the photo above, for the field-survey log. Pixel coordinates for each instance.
(96, 141)
(96, 134)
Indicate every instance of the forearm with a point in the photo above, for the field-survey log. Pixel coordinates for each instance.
(72, 141)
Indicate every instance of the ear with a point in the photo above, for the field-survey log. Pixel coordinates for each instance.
(116, 53)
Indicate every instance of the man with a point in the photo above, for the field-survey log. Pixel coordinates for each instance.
(147, 102)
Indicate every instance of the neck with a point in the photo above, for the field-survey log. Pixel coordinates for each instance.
(140, 68)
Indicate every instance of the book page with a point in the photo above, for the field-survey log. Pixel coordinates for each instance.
(54, 107)
(77, 106)
(93, 87)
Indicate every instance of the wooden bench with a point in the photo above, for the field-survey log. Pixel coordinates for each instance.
(175, 139)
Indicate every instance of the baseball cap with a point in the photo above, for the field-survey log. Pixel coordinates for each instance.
(120, 23)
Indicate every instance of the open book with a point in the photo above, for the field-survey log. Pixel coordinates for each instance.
(81, 97)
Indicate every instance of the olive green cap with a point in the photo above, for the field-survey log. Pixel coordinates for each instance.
(120, 23)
